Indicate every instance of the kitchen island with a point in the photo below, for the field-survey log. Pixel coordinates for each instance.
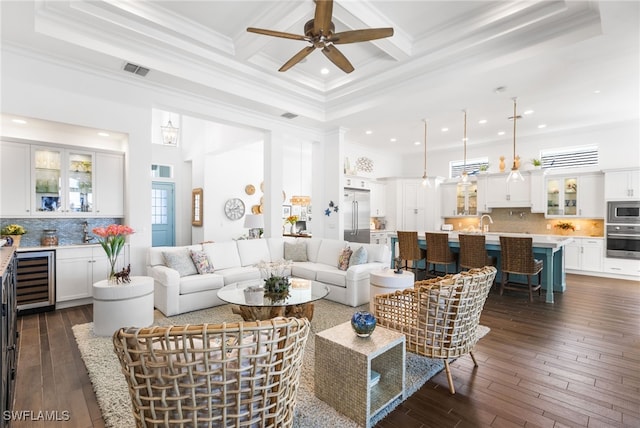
(548, 248)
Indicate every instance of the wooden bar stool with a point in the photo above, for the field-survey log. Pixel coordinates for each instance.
(473, 252)
(409, 250)
(439, 253)
(517, 258)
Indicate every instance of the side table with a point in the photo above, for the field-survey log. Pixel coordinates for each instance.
(387, 281)
(122, 305)
(343, 366)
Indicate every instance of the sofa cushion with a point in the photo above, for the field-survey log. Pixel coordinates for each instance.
(329, 251)
(332, 276)
(180, 261)
(201, 262)
(295, 251)
(343, 258)
(375, 252)
(238, 274)
(276, 248)
(198, 283)
(313, 245)
(253, 251)
(359, 256)
(306, 270)
(155, 256)
(223, 255)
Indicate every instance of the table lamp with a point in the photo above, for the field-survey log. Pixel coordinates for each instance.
(254, 222)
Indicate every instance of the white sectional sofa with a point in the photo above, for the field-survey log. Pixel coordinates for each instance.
(236, 261)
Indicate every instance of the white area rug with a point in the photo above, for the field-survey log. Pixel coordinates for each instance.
(113, 396)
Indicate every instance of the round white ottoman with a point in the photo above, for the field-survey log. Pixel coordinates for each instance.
(122, 305)
(387, 281)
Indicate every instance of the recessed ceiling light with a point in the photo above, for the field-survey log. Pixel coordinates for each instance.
(19, 121)
(542, 125)
(482, 121)
(103, 134)
(445, 129)
(528, 112)
(500, 132)
(416, 143)
(597, 91)
(368, 132)
(393, 140)
(324, 71)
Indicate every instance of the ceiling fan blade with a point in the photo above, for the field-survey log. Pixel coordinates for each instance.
(355, 36)
(297, 58)
(322, 17)
(278, 34)
(337, 58)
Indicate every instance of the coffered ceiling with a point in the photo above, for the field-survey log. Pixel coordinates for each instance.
(574, 63)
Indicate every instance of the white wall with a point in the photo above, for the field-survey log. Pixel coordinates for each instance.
(618, 145)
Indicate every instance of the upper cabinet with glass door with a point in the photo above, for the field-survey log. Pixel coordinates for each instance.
(562, 196)
(581, 195)
(63, 181)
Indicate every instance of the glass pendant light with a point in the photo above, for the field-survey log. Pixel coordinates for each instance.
(425, 179)
(515, 174)
(169, 134)
(464, 177)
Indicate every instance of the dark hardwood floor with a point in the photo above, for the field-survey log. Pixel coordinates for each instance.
(572, 363)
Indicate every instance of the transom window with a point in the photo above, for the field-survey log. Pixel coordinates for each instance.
(473, 166)
(570, 157)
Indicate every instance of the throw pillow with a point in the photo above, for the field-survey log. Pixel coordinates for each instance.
(359, 257)
(343, 258)
(295, 251)
(201, 261)
(180, 261)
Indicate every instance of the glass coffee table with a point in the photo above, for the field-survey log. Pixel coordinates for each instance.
(254, 304)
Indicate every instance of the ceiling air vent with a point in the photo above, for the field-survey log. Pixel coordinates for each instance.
(289, 115)
(136, 69)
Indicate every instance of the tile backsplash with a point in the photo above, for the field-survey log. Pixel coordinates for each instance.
(522, 220)
(69, 230)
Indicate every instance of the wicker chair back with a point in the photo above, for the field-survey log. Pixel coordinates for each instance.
(230, 374)
(473, 252)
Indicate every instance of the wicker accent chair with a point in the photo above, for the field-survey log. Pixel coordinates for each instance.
(439, 316)
(231, 374)
(439, 253)
(517, 258)
(409, 250)
(473, 252)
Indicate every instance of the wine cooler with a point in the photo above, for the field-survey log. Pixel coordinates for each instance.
(35, 281)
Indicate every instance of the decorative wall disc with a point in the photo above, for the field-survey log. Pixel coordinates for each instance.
(249, 189)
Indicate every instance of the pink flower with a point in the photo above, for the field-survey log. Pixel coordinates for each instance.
(112, 240)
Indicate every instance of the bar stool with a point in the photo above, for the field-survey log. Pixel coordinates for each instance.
(439, 253)
(517, 258)
(473, 252)
(409, 250)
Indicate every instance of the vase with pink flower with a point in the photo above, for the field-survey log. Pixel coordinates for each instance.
(112, 238)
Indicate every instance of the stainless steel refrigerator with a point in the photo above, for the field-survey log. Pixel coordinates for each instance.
(356, 211)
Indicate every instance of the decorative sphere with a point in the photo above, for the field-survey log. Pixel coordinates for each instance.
(363, 323)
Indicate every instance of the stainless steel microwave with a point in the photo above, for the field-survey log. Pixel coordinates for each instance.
(623, 212)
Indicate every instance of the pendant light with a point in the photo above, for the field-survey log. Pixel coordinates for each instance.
(464, 177)
(169, 134)
(515, 175)
(425, 179)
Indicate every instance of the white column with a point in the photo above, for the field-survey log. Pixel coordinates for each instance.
(273, 167)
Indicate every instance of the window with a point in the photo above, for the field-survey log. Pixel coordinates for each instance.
(161, 171)
(473, 166)
(569, 157)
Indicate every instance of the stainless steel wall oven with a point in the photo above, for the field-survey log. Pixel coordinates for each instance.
(623, 241)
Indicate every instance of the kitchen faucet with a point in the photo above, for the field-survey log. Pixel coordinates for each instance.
(85, 233)
(482, 226)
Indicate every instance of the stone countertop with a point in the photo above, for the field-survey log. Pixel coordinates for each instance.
(542, 241)
(23, 249)
(5, 258)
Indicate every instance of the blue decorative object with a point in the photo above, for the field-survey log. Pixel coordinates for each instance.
(363, 323)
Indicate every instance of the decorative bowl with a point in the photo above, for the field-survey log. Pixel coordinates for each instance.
(363, 323)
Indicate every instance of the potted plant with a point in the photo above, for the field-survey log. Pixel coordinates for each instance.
(14, 232)
(276, 287)
(537, 163)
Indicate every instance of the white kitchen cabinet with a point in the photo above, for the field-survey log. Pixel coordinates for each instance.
(458, 199)
(78, 267)
(538, 191)
(584, 254)
(378, 199)
(414, 202)
(109, 185)
(357, 182)
(575, 196)
(495, 192)
(622, 266)
(621, 185)
(379, 238)
(15, 179)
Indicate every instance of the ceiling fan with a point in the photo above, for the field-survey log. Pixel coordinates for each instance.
(320, 33)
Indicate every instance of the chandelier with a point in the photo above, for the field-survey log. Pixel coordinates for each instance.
(169, 134)
(302, 200)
